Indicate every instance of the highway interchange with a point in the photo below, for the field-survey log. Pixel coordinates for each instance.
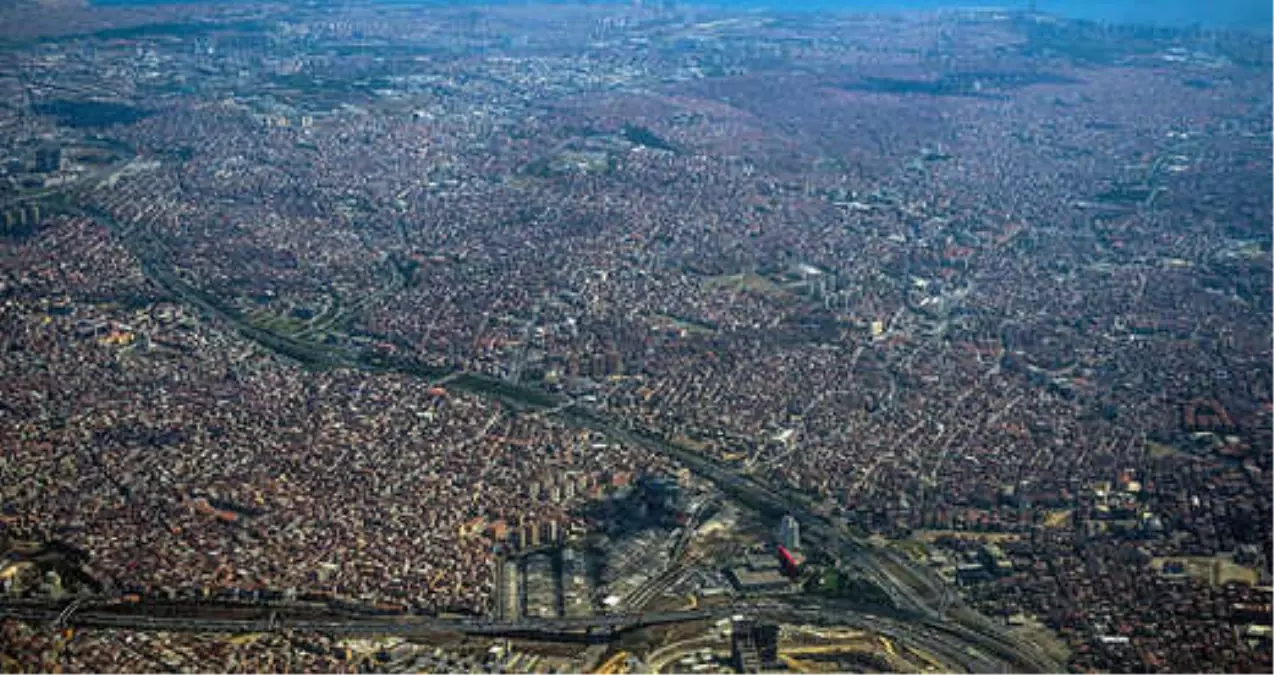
(951, 646)
(926, 614)
(936, 620)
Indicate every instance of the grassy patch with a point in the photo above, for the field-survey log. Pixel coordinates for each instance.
(930, 536)
(914, 549)
(835, 584)
(1161, 451)
(639, 135)
(688, 325)
(1216, 570)
(1041, 636)
(686, 441)
(283, 325)
(749, 281)
(1057, 518)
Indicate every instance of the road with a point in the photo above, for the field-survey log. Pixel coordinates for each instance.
(913, 588)
(937, 639)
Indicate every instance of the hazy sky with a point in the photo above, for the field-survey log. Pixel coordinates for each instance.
(1247, 14)
(1250, 14)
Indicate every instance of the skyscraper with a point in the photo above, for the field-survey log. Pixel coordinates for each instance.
(790, 533)
(48, 159)
(743, 652)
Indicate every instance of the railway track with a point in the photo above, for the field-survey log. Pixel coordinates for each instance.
(910, 587)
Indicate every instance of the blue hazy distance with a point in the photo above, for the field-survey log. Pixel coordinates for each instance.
(1254, 15)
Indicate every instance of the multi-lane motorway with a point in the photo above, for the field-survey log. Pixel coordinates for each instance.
(961, 637)
(938, 617)
(912, 587)
(952, 648)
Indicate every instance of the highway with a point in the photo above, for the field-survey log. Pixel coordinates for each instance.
(934, 638)
(912, 588)
(260, 619)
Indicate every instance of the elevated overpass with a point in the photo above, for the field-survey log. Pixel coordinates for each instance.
(911, 587)
(950, 645)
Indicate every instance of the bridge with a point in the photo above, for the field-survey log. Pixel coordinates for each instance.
(278, 616)
(950, 643)
(911, 587)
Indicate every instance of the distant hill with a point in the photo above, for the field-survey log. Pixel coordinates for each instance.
(41, 4)
(22, 20)
(1251, 15)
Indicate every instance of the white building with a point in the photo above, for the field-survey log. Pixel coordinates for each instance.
(790, 533)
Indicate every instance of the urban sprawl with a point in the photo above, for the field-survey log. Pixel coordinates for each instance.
(309, 303)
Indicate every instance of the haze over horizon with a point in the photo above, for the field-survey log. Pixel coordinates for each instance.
(1245, 14)
(636, 336)
(1240, 14)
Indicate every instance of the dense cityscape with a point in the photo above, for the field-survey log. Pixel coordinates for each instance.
(394, 305)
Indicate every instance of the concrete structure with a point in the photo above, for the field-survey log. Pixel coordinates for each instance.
(790, 533)
(48, 159)
(743, 652)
